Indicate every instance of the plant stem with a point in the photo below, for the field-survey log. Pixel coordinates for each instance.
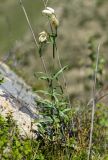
(58, 57)
(94, 103)
(45, 3)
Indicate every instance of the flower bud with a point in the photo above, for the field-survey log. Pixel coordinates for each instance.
(54, 21)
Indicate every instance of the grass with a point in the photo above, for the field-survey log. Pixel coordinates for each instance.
(53, 145)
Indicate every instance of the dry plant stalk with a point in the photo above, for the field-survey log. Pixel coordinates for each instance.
(94, 102)
(33, 34)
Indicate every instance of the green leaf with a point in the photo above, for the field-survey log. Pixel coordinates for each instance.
(59, 72)
(66, 110)
(43, 120)
(45, 78)
(44, 92)
(51, 39)
(1, 80)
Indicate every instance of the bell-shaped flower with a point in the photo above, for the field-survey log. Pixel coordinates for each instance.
(51, 9)
(48, 11)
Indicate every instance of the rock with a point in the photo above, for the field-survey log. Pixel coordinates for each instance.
(17, 97)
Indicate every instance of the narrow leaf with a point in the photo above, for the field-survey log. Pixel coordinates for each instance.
(59, 72)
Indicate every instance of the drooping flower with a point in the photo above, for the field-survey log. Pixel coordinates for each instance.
(51, 9)
(48, 11)
(43, 37)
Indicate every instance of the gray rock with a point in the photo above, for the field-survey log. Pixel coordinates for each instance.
(17, 97)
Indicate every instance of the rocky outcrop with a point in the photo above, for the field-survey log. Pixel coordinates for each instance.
(17, 97)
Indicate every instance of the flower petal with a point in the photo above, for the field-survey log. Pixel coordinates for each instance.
(51, 9)
(47, 12)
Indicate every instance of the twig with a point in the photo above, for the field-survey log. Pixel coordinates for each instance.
(94, 102)
(102, 96)
(33, 34)
(45, 3)
(28, 21)
(97, 98)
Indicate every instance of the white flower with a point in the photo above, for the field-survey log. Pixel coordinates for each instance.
(51, 13)
(48, 11)
(43, 37)
(51, 9)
